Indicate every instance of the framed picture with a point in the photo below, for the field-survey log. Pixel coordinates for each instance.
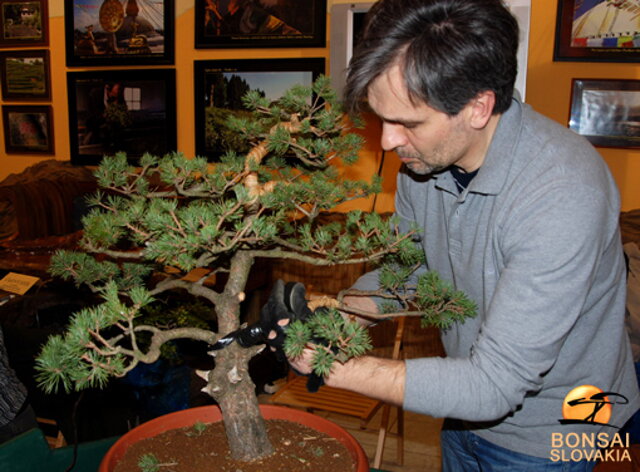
(606, 112)
(113, 32)
(24, 23)
(25, 74)
(28, 129)
(597, 31)
(260, 23)
(220, 86)
(132, 111)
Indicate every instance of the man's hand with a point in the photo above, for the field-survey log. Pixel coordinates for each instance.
(302, 364)
(371, 376)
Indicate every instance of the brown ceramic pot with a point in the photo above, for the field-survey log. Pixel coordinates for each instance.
(210, 414)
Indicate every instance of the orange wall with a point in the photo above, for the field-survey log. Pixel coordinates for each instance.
(548, 90)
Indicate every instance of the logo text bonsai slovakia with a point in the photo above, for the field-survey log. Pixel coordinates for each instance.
(589, 405)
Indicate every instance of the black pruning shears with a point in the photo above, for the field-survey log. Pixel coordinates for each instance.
(287, 303)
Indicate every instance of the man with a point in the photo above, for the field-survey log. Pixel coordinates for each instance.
(518, 212)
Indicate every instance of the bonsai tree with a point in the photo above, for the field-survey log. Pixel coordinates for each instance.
(158, 221)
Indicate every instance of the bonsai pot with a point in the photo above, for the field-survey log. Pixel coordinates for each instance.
(210, 414)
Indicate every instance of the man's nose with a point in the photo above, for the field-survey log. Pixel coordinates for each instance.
(393, 136)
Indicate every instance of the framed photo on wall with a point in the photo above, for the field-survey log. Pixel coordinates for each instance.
(606, 112)
(260, 23)
(131, 111)
(113, 32)
(220, 86)
(24, 23)
(597, 31)
(28, 129)
(25, 75)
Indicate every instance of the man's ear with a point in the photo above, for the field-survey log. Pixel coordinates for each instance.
(481, 108)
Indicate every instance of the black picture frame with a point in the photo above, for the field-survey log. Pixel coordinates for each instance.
(596, 31)
(251, 24)
(25, 75)
(24, 23)
(132, 111)
(143, 34)
(606, 111)
(272, 76)
(28, 129)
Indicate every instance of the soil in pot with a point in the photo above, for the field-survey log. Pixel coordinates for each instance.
(298, 448)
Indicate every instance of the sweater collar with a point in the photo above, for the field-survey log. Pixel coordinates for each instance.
(493, 172)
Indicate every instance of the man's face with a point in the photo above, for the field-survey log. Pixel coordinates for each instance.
(425, 139)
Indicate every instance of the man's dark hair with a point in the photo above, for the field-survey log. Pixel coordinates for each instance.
(450, 50)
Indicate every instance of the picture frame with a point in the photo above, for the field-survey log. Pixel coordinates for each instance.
(28, 129)
(109, 33)
(25, 75)
(24, 23)
(606, 111)
(131, 111)
(597, 31)
(214, 100)
(256, 24)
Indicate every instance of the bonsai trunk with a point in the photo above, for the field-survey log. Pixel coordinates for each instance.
(229, 382)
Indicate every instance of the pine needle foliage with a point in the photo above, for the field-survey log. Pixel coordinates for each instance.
(335, 339)
(441, 304)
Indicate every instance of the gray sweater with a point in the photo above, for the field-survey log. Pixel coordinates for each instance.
(534, 241)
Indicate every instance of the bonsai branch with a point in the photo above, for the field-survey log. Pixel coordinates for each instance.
(111, 348)
(132, 255)
(195, 288)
